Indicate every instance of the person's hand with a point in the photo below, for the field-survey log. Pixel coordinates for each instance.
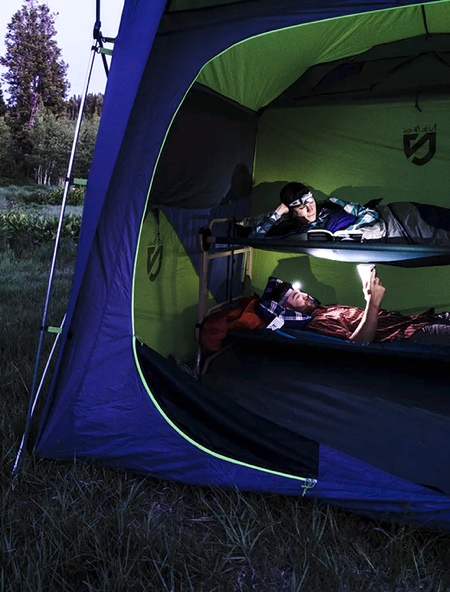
(282, 209)
(373, 289)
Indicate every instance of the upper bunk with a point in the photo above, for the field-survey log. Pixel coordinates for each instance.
(402, 255)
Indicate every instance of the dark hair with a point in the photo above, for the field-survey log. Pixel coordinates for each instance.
(293, 191)
(280, 291)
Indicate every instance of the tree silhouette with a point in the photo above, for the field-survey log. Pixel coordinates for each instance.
(36, 74)
(92, 106)
(2, 104)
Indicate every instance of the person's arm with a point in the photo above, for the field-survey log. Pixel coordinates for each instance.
(268, 221)
(364, 216)
(373, 293)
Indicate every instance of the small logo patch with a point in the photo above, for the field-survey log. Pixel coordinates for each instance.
(421, 140)
(154, 261)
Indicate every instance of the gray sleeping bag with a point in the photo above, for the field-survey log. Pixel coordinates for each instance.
(404, 222)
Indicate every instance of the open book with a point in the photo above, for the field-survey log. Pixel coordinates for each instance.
(320, 234)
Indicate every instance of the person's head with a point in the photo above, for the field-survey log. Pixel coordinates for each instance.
(287, 296)
(300, 201)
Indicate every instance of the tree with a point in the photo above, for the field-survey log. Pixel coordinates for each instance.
(86, 145)
(92, 106)
(36, 74)
(2, 104)
(7, 150)
(50, 139)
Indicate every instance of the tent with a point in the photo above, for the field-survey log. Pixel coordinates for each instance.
(210, 107)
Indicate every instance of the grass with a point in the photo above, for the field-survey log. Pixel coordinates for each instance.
(84, 527)
(16, 198)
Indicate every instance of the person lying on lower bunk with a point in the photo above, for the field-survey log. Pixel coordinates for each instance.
(281, 304)
(398, 222)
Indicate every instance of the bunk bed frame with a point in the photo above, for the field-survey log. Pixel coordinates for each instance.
(403, 255)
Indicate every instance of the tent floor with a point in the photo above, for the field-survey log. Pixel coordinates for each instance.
(389, 411)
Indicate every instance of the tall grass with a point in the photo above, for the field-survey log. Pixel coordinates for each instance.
(36, 199)
(83, 527)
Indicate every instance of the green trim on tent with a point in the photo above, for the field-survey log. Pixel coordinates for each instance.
(307, 482)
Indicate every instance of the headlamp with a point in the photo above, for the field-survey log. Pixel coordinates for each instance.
(303, 200)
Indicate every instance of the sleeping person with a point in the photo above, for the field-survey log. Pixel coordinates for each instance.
(398, 222)
(281, 304)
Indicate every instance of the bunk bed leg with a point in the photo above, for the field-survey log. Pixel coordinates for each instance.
(247, 281)
(203, 287)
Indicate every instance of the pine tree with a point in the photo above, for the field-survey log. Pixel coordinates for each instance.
(36, 74)
(92, 106)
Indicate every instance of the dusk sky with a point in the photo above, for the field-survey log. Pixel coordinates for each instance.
(74, 25)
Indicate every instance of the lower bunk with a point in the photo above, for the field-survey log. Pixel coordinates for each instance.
(387, 405)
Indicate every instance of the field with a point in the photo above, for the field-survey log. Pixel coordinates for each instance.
(82, 527)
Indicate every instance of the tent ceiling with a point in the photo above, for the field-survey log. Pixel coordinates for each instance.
(256, 71)
(413, 68)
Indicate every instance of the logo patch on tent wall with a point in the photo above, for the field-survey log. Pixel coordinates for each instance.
(154, 261)
(422, 140)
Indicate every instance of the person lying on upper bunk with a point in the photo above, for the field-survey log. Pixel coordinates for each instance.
(281, 305)
(398, 222)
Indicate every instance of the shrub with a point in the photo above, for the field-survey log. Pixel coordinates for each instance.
(50, 196)
(5, 182)
(75, 197)
(22, 232)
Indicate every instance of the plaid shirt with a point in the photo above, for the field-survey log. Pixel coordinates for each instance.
(363, 217)
(270, 310)
(338, 320)
(264, 225)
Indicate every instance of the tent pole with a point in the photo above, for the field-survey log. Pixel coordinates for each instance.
(35, 400)
(67, 183)
(97, 34)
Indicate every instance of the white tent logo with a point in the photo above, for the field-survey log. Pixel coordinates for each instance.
(420, 144)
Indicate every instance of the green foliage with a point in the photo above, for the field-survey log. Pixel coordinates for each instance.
(43, 147)
(35, 72)
(13, 195)
(2, 104)
(92, 106)
(7, 148)
(22, 232)
(5, 181)
(11, 148)
(50, 140)
(85, 147)
(52, 196)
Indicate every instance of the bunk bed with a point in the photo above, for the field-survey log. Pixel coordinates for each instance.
(229, 245)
